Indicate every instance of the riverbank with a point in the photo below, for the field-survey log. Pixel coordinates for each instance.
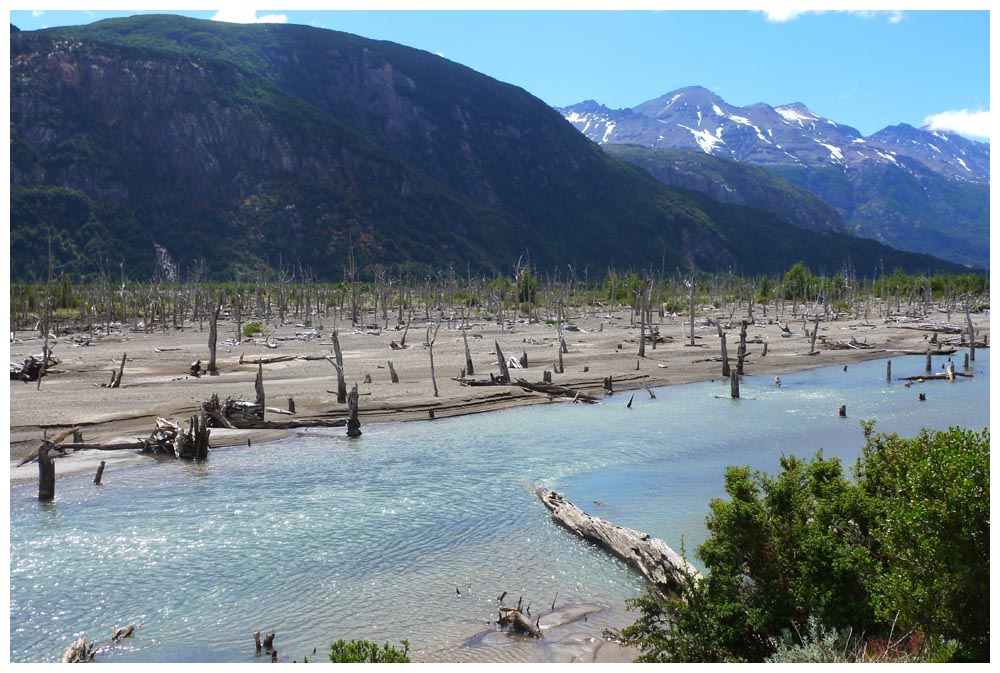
(157, 379)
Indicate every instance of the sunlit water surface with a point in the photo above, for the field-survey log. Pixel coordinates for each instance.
(319, 537)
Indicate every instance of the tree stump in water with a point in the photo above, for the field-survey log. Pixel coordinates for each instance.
(46, 473)
(734, 385)
(100, 473)
(353, 424)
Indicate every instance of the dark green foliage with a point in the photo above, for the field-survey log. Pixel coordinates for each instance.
(366, 652)
(901, 553)
(931, 498)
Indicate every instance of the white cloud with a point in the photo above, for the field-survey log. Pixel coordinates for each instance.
(37, 13)
(787, 12)
(239, 15)
(967, 123)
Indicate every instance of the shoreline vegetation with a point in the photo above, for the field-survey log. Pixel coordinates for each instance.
(434, 353)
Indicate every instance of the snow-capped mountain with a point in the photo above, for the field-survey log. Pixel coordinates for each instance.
(896, 185)
(789, 135)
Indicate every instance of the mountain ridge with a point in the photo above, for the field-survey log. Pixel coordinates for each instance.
(794, 142)
(278, 145)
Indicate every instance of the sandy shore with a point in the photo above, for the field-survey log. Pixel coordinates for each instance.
(157, 381)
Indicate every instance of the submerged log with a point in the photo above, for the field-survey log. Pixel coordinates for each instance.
(665, 569)
(78, 652)
(517, 619)
(938, 376)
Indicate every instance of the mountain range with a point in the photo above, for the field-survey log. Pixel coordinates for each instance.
(257, 147)
(915, 189)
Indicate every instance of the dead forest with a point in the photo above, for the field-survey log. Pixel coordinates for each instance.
(440, 344)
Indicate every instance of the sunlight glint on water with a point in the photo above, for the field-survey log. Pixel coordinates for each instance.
(318, 537)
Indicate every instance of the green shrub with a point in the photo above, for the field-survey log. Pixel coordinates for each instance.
(367, 652)
(902, 549)
(252, 328)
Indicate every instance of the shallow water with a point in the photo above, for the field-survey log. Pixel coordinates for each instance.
(319, 537)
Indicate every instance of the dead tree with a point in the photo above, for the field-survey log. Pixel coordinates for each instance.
(725, 354)
(502, 362)
(430, 349)
(812, 343)
(691, 305)
(46, 473)
(972, 335)
(259, 388)
(339, 366)
(116, 379)
(213, 335)
(469, 370)
(741, 352)
(353, 424)
(393, 377)
(643, 301)
(734, 385)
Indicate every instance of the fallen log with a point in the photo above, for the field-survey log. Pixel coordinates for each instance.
(664, 568)
(558, 391)
(54, 442)
(516, 618)
(268, 361)
(939, 376)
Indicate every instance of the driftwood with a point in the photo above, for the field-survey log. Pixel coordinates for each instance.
(54, 442)
(31, 368)
(268, 361)
(78, 652)
(665, 569)
(939, 376)
(558, 391)
(514, 617)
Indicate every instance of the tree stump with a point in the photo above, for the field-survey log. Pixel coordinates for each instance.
(393, 377)
(734, 385)
(46, 473)
(502, 362)
(353, 424)
(100, 472)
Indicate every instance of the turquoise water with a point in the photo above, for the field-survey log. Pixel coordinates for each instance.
(319, 537)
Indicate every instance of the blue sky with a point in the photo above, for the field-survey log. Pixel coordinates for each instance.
(862, 68)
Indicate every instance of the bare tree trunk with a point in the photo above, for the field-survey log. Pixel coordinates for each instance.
(341, 383)
(465, 339)
(430, 346)
(213, 335)
(972, 335)
(353, 424)
(502, 362)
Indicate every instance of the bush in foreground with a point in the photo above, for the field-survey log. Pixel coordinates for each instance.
(810, 566)
(366, 652)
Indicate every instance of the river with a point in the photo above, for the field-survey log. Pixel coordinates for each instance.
(412, 531)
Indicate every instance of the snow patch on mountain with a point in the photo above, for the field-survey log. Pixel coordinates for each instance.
(706, 141)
